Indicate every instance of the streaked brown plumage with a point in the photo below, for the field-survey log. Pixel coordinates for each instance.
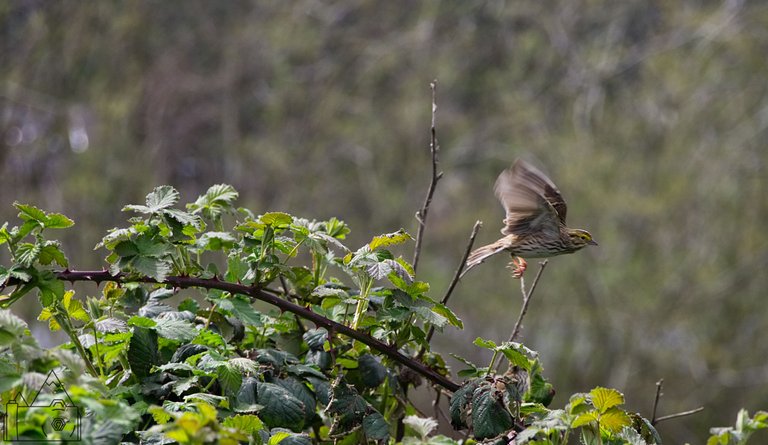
(535, 219)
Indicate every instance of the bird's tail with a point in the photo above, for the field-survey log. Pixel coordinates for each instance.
(481, 254)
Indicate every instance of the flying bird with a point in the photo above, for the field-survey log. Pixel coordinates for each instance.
(534, 226)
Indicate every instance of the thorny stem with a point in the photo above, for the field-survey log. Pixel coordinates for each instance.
(282, 304)
(421, 215)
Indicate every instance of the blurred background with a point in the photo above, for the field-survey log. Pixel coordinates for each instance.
(651, 116)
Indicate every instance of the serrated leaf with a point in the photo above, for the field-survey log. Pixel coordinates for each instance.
(152, 267)
(216, 241)
(57, 221)
(420, 425)
(489, 416)
(11, 327)
(372, 372)
(280, 407)
(389, 239)
(379, 270)
(142, 351)
(614, 419)
(347, 407)
(375, 427)
(444, 311)
(50, 288)
(160, 198)
(316, 338)
(276, 219)
(29, 212)
(484, 343)
(605, 398)
(302, 393)
(585, 418)
(241, 309)
(460, 402)
(244, 365)
(175, 329)
(51, 252)
(247, 423)
(27, 253)
(229, 378)
(210, 399)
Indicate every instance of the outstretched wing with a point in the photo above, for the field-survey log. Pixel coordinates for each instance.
(531, 200)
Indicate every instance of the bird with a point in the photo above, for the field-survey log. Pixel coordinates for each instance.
(534, 225)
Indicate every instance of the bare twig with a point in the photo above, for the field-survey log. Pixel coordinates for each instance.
(655, 420)
(421, 215)
(680, 414)
(456, 276)
(524, 309)
(659, 384)
(526, 300)
(267, 297)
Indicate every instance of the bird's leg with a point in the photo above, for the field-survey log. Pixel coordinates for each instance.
(517, 266)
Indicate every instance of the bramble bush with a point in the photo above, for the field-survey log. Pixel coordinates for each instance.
(173, 350)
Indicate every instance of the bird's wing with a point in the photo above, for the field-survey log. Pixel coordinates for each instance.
(531, 200)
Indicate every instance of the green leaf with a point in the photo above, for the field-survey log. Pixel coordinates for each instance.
(142, 351)
(230, 379)
(160, 198)
(247, 423)
(371, 370)
(216, 241)
(605, 398)
(489, 416)
(240, 308)
(389, 239)
(614, 419)
(316, 338)
(152, 267)
(50, 288)
(483, 343)
(375, 427)
(11, 327)
(280, 407)
(27, 253)
(58, 221)
(444, 311)
(276, 219)
(301, 392)
(585, 418)
(29, 212)
(423, 427)
(347, 408)
(460, 402)
(50, 252)
(180, 330)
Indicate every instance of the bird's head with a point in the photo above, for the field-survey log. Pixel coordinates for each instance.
(581, 238)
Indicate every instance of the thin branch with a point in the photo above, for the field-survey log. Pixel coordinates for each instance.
(680, 414)
(421, 215)
(456, 276)
(655, 420)
(524, 309)
(526, 300)
(284, 305)
(659, 384)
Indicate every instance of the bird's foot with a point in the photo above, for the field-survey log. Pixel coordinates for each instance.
(517, 266)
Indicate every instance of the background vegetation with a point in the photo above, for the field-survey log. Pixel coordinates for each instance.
(650, 116)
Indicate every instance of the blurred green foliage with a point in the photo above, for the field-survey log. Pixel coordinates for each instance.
(650, 116)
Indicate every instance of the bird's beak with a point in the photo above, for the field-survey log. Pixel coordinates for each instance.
(592, 243)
